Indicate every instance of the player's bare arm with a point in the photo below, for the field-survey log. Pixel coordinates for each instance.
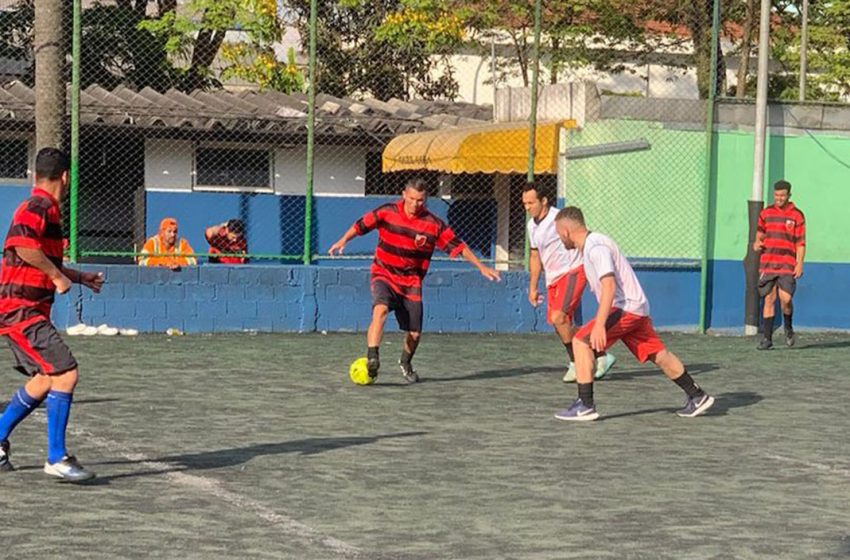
(598, 336)
(91, 280)
(758, 244)
(212, 231)
(338, 247)
(535, 267)
(486, 271)
(37, 258)
(801, 256)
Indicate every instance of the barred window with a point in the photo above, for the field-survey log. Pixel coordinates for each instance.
(237, 168)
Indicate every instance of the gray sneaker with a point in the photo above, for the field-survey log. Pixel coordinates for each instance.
(5, 464)
(408, 372)
(68, 469)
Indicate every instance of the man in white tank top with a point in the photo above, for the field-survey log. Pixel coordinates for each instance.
(564, 275)
(623, 314)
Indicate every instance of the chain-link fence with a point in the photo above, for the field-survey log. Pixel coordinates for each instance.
(197, 111)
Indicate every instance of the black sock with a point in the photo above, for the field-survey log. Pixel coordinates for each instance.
(569, 347)
(789, 326)
(406, 356)
(768, 328)
(597, 353)
(686, 382)
(585, 393)
(372, 353)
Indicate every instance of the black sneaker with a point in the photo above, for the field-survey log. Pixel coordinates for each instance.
(407, 371)
(5, 464)
(765, 344)
(790, 339)
(372, 366)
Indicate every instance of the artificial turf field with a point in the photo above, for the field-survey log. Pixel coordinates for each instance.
(241, 446)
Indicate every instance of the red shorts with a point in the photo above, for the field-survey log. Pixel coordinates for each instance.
(636, 332)
(565, 293)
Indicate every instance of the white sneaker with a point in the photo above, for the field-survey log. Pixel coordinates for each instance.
(106, 330)
(570, 376)
(68, 469)
(604, 364)
(76, 329)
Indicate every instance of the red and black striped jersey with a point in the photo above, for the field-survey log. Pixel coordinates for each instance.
(406, 244)
(784, 231)
(26, 293)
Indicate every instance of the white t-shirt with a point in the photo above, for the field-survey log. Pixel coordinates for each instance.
(602, 257)
(557, 259)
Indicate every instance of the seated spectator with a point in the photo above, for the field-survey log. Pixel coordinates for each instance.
(166, 249)
(225, 238)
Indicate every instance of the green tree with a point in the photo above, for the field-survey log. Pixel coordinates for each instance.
(382, 48)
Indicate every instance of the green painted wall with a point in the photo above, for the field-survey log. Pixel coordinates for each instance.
(649, 201)
(818, 167)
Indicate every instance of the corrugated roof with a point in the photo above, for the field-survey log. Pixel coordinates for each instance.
(268, 112)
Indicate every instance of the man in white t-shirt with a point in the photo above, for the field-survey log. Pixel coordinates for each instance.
(564, 274)
(623, 315)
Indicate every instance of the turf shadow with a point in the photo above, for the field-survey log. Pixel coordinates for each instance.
(723, 403)
(222, 458)
(625, 375)
(496, 374)
(825, 345)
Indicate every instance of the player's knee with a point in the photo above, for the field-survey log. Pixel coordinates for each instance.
(559, 318)
(415, 336)
(66, 381)
(580, 343)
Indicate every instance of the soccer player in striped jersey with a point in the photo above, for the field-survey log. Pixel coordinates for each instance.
(781, 239)
(31, 272)
(408, 234)
(623, 314)
(563, 271)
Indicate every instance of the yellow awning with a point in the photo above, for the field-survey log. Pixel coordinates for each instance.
(492, 148)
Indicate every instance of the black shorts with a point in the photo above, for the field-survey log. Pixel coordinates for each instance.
(787, 283)
(408, 313)
(38, 348)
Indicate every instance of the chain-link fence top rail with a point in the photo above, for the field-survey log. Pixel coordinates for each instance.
(197, 110)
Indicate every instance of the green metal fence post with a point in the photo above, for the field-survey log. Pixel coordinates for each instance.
(74, 193)
(532, 119)
(709, 155)
(311, 137)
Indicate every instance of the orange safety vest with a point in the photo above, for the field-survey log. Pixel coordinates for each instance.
(153, 249)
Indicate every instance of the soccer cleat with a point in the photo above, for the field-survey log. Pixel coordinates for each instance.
(68, 469)
(695, 406)
(5, 464)
(372, 366)
(604, 363)
(790, 339)
(570, 376)
(578, 412)
(765, 344)
(407, 371)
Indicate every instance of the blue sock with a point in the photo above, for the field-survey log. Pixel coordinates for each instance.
(19, 408)
(58, 411)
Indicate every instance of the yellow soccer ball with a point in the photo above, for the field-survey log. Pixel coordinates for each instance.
(359, 372)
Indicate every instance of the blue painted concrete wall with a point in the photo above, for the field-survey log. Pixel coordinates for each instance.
(217, 298)
(276, 223)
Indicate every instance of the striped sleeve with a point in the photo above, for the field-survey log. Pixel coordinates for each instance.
(448, 242)
(762, 226)
(369, 221)
(28, 226)
(800, 231)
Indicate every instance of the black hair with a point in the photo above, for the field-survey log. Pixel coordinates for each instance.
(236, 226)
(418, 184)
(542, 190)
(51, 163)
(782, 185)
